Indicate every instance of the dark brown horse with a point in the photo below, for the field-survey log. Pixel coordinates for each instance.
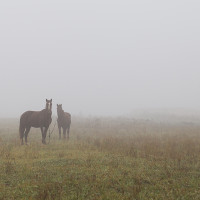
(37, 119)
(64, 121)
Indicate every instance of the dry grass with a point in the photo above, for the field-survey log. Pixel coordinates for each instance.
(104, 159)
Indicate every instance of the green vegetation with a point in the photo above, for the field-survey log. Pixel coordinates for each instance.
(104, 159)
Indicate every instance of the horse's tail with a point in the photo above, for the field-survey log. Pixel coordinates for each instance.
(21, 128)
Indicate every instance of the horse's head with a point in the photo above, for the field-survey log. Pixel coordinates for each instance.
(59, 108)
(48, 105)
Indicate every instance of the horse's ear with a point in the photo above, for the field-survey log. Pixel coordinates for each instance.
(46, 100)
(51, 100)
(57, 105)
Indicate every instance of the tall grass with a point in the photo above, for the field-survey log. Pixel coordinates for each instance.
(105, 158)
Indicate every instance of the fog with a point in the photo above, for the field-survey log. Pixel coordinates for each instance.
(105, 57)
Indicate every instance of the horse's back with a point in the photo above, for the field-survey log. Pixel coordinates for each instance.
(29, 118)
(68, 117)
(25, 115)
(65, 120)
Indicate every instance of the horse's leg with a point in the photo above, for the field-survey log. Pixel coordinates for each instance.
(22, 134)
(64, 132)
(42, 131)
(26, 133)
(44, 135)
(68, 132)
(59, 132)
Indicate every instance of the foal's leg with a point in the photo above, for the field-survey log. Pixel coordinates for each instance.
(64, 132)
(59, 128)
(68, 132)
(26, 133)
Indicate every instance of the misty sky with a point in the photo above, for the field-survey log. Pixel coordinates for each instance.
(105, 57)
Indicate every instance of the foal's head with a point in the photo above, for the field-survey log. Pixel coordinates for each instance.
(59, 108)
(48, 105)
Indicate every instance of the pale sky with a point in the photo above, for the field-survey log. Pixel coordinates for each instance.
(105, 57)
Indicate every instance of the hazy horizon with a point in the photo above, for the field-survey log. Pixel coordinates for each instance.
(100, 58)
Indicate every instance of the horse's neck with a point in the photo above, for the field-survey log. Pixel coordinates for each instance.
(61, 114)
(46, 112)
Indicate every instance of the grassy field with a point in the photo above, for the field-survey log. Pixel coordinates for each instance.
(108, 158)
